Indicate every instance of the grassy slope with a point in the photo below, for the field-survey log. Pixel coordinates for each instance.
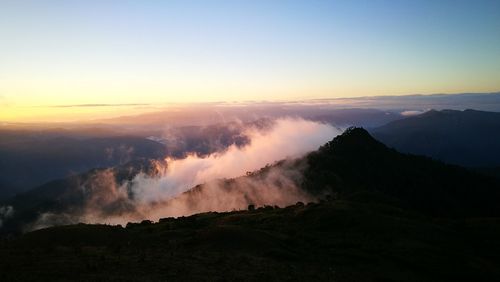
(359, 239)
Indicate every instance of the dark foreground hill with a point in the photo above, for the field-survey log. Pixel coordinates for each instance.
(468, 138)
(388, 217)
(337, 240)
(355, 161)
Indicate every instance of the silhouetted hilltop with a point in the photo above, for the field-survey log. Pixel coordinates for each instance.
(356, 161)
(469, 138)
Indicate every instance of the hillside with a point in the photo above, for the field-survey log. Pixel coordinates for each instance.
(385, 216)
(32, 156)
(337, 240)
(355, 161)
(468, 138)
(28, 159)
(352, 163)
(67, 195)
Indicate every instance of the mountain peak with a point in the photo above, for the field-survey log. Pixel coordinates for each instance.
(354, 139)
(356, 132)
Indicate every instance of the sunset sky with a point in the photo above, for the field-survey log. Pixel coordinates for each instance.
(58, 55)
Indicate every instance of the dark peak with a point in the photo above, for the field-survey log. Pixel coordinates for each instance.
(355, 133)
(353, 130)
(353, 138)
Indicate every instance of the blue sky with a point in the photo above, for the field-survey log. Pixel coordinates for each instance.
(57, 52)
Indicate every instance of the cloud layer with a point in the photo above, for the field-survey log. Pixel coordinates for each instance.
(288, 138)
(220, 187)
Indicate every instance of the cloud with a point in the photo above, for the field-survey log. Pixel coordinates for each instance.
(97, 105)
(276, 186)
(411, 113)
(217, 178)
(288, 138)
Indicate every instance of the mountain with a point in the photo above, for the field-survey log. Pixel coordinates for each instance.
(355, 163)
(468, 138)
(33, 156)
(30, 161)
(70, 194)
(337, 240)
(367, 118)
(350, 165)
(384, 216)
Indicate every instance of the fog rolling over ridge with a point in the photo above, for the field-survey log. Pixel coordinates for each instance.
(149, 196)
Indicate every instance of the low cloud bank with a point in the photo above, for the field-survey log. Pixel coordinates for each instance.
(220, 187)
(288, 138)
(410, 113)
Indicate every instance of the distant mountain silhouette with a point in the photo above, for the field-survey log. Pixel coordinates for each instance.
(31, 160)
(358, 117)
(468, 138)
(66, 194)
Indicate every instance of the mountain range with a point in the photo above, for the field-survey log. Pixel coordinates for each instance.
(380, 215)
(468, 138)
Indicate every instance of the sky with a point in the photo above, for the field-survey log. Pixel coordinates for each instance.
(56, 53)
